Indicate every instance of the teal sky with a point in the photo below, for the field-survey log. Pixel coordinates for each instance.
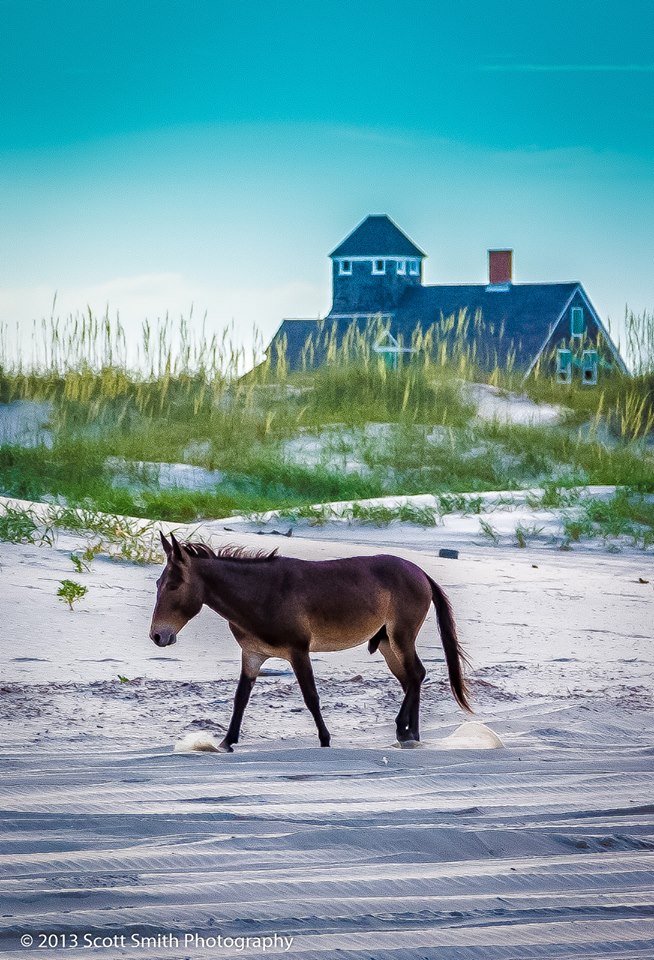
(158, 154)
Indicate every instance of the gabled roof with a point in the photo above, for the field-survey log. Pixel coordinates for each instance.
(524, 312)
(582, 296)
(516, 320)
(377, 236)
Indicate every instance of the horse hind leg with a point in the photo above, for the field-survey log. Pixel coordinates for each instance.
(403, 661)
(414, 714)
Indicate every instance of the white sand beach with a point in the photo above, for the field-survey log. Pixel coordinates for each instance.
(542, 847)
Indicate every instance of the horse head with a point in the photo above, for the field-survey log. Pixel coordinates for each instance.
(179, 594)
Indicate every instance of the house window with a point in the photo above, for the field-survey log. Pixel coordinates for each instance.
(345, 268)
(379, 266)
(401, 267)
(414, 268)
(589, 365)
(564, 366)
(577, 322)
(390, 351)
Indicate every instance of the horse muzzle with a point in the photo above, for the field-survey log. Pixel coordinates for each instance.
(163, 637)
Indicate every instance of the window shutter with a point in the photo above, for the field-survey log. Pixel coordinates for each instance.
(577, 322)
(564, 366)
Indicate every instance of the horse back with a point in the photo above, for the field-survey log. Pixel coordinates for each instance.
(356, 596)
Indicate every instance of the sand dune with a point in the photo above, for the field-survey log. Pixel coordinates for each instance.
(544, 848)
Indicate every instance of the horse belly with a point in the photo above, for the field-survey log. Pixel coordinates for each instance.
(342, 637)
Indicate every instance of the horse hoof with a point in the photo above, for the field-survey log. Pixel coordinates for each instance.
(408, 744)
(225, 748)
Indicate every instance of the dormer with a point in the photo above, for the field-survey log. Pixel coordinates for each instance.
(373, 267)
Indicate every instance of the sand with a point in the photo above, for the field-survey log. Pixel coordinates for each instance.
(540, 847)
(25, 422)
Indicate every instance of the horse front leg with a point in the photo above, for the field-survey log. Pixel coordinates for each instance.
(301, 663)
(251, 664)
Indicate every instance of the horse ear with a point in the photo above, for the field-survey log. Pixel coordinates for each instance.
(178, 554)
(166, 544)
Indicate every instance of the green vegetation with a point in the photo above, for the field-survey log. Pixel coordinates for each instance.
(79, 563)
(627, 515)
(18, 525)
(523, 534)
(370, 431)
(554, 496)
(489, 532)
(70, 592)
(378, 515)
(103, 534)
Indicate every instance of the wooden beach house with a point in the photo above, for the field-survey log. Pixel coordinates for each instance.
(378, 292)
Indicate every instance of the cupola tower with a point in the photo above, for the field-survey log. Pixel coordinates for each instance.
(373, 267)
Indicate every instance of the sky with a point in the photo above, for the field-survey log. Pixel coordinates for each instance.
(158, 155)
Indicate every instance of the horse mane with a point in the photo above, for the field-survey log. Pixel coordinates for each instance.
(230, 551)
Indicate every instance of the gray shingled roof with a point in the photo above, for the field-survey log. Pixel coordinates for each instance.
(524, 312)
(377, 236)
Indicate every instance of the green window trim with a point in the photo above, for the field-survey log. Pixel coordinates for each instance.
(577, 325)
(564, 366)
(589, 367)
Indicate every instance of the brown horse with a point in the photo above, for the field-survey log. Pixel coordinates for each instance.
(288, 608)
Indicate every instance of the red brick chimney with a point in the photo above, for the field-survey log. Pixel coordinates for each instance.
(500, 266)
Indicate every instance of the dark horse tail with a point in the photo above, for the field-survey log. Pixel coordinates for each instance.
(454, 656)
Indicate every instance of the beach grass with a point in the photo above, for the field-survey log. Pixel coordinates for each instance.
(20, 525)
(177, 395)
